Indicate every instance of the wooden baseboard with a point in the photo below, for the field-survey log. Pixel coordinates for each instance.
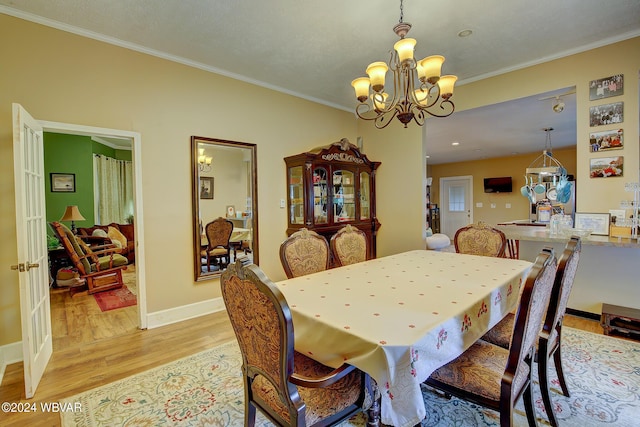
(585, 314)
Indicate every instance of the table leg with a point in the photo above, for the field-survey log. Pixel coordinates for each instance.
(373, 412)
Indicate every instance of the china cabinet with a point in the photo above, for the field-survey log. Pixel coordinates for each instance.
(330, 187)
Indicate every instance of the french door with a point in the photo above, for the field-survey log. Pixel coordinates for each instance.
(32, 267)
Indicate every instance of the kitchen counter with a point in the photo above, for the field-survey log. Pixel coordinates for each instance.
(537, 233)
(607, 270)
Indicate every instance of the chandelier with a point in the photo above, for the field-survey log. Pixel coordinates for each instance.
(418, 87)
(204, 162)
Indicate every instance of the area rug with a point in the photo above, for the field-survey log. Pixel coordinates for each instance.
(205, 389)
(115, 298)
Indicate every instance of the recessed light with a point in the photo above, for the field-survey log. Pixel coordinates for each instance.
(465, 33)
(455, 143)
(428, 157)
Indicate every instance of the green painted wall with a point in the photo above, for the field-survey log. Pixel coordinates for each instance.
(73, 154)
(69, 154)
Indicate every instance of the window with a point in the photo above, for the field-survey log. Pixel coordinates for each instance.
(456, 199)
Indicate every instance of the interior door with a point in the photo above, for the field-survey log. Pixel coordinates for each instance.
(33, 277)
(456, 199)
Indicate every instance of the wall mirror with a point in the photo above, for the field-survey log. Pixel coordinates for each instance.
(225, 204)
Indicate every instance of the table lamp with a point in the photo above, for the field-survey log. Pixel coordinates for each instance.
(72, 213)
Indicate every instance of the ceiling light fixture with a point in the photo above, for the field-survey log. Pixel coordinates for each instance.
(204, 162)
(558, 105)
(546, 164)
(417, 85)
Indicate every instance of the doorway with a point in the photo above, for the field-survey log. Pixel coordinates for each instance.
(135, 138)
(456, 199)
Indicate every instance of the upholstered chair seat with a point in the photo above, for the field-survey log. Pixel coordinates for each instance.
(321, 403)
(480, 239)
(478, 370)
(218, 249)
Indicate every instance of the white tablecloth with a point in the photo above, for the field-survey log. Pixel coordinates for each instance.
(400, 317)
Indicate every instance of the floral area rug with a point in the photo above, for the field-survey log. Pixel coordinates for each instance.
(115, 298)
(603, 375)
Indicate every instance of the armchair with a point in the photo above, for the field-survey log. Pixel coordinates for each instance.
(100, 266)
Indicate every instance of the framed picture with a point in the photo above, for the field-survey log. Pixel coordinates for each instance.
(606, 140)
(606, 87)
(206, 187)
(63, 182)
(231, 211)
(605, 167)
(606, 114)
(597, 222)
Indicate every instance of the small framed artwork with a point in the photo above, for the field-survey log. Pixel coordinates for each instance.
(606, 87)
(63, 182)
(605, 167)
(206, 187)
(606, 114)
(598, 223)
(606, 140)
(231, 211)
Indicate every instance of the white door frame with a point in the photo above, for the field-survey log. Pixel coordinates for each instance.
(443, 211)
(71, 129)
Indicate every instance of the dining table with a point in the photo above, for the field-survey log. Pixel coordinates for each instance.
(400, 317)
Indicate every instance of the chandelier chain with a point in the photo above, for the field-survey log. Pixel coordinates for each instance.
(401, 12)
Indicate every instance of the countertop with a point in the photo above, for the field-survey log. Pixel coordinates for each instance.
(541, 234)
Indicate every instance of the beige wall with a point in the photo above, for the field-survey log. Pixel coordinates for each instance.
(512, 166)
(66, 78)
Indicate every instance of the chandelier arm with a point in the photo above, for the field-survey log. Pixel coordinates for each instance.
(383, 120)
(449, 109)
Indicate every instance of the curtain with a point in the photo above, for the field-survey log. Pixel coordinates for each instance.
(113, 190)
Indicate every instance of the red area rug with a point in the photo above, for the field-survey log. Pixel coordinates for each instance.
(115, 298)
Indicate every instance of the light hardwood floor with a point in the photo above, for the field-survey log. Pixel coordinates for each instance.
(85, 358)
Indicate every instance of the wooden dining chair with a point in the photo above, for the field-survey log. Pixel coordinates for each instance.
(349, 246)
(218, 248)
(480, 239)
(550, 340)
(495, 377)
(304, 252)
(286, 386)
(101, 266)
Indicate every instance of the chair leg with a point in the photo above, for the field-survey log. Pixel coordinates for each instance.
(528, 407)
(557, 360)
(543, 378)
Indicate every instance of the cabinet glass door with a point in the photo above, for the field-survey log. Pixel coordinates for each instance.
(296, 196)
(344, 202)
(365, 194)
(320, 195)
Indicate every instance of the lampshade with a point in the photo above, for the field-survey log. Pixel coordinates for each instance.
(446, 84)
(361, 85)
(72, 213)
(405, 47)
(377, 72)
(431, 68)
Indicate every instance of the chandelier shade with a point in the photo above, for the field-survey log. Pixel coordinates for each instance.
(418, 87)
(204, 162)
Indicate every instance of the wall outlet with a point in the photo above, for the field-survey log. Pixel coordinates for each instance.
(479, 205)
(282, 203)
(507, 205)
(493, 205)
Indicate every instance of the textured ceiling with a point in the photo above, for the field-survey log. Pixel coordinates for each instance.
(313, 49)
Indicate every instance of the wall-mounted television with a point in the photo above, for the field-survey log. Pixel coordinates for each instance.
(498, 185)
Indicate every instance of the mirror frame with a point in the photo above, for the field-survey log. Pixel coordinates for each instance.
(195, 198)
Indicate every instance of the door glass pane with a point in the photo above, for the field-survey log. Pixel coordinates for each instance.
(296, 196)
(344, 202)
(364, 195)
(456, 199)
(320, 195)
